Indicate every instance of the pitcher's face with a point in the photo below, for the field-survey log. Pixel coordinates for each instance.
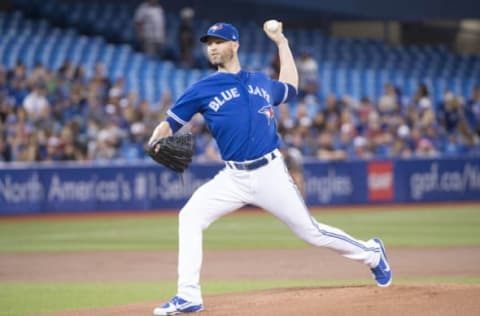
(221, 52)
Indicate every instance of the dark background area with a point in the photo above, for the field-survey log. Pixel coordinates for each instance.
(415, 17)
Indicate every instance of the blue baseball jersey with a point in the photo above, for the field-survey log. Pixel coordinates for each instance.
(238, 110)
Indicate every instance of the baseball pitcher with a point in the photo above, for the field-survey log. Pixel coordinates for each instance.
(238, 108)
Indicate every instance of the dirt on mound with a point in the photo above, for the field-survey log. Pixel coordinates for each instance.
(286, 264)
(248, 264)
(397, 300)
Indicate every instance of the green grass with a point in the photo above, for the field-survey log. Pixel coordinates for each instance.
(29, 298)
(412, 228)
(18, 299)
(441, 227)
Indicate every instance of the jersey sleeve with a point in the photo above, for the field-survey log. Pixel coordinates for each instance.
(282, 92)
(183, 109)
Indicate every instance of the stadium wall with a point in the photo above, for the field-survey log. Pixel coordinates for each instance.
(35, 189)
(387, 31)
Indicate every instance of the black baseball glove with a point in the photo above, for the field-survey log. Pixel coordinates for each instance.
(174, 152)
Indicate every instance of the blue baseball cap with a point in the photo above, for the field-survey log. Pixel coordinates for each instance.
(221, 30)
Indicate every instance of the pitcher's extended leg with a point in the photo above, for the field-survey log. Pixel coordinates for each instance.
(277, 194)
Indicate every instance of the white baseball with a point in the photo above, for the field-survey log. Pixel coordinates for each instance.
(272, 25)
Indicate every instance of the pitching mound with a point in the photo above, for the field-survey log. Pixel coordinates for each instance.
(401, 300)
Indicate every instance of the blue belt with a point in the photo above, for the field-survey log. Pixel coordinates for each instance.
(254, 164)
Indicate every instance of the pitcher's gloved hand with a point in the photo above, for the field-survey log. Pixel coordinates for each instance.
(174, 152)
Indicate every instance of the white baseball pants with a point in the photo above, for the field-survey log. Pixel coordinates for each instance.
(271, 188)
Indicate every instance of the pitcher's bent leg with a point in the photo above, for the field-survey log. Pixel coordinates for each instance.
(203, 208)
(278, 195)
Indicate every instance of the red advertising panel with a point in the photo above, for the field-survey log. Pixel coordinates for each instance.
(380, 181)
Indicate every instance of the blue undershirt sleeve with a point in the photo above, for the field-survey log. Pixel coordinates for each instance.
(282, 92)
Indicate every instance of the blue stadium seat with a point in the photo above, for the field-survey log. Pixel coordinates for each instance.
(353, 66)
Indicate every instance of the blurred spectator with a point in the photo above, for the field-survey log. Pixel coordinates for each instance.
(36, 104)
(29, 151)
(303, 120)
(332, 109)
(150, 27)
(400, 147)
(186, 37)
(326, 149)
(307, 74)
(388, 102)
(18, 90)
(211, 152)
(285, 123)
(18, 72)
(53, 149)
(133, 146)
(425, 149)
(363, 111)
(453, 146)
(294, 160)
(312, 104)
(107, 142)
(472, 111)
(3, 80)
(374, 131)
(421, 99)
(79, 76)
(450, 113)
(99, 83)
(274, 67)
(347, 118)
(95, 110)
(5, 151)
(205, 146)
(345, 141)
(362, 148)
(117, 89)
(38, 75)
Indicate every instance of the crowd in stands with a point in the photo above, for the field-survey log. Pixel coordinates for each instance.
(151, 35)
(63, 114)
(342, 128)
(51, 115)
(394, 126)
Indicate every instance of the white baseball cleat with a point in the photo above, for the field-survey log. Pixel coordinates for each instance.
(177, 305)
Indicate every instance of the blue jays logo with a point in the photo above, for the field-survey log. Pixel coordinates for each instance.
(267, 110)
(216, 27)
